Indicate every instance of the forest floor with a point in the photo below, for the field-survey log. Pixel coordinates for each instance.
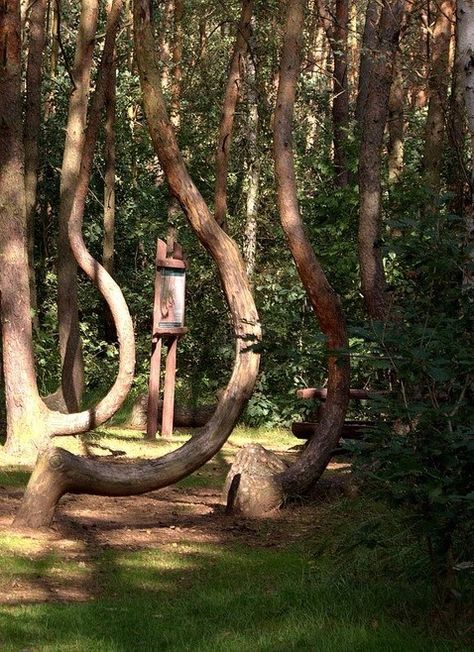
(171, 571)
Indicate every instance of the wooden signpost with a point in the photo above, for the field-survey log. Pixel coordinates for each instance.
(168, 327)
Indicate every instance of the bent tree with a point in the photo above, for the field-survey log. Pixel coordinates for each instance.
(30, 423)
(260, 483)
(57, 471)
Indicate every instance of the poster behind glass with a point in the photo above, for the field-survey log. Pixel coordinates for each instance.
(172, 298)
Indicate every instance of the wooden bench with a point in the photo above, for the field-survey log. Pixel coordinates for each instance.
(352, 429)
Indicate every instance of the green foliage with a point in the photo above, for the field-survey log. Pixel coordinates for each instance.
(423, 457)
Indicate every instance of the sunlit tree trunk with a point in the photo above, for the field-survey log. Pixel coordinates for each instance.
(32, 127)
(231, 97)
(25, 414)
(72, 381)
(30, 424)
(324, 301)
(108, 248)
(438, 84)
(177, 56)
(253, 168)
(396, 125)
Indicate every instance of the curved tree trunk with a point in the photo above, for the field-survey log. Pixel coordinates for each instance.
(370, 160)
(324, 301)
(58, 471)
(30, 422)
(31, 131)
(231, 98)
(72, 381)
(438, 84)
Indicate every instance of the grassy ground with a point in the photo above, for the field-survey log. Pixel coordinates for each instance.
(350, 577)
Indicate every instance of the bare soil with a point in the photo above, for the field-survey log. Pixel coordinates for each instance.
(84, 526)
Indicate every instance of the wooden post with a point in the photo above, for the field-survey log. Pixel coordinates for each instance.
(168, 322)
(170, 382)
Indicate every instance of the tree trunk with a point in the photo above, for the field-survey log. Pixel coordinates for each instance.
(231, 98)
(370, 160)
(30, 422)
(108, 248)
(458, 175)
(438, 84)
(396, 125)
(340, 105)
(465, 16)
(31, 132)
(72, 381)
(57, 471)
(25, 413)
(177, 72)
(253, 171)
(368, 47)
(324, 301)
(337, 31)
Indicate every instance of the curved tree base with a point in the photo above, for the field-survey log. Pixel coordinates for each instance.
(252, 487)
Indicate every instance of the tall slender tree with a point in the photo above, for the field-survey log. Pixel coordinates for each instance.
(337, 33)
(69, 395)
(438, 85)
(36, 44)
(231, 97)
(374, 120)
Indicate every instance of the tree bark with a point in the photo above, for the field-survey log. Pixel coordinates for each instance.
(72, 377)
(396, 126)
(177, 56)
(253, 170)
(31, 132)
(57, 471)
(108, 248)
(25, 412)
(438, 84)
(324, 301)
(30, 422)
(369, 44)
(458, 174)
(337, 33)
(370, 160)
(465, 21)
(231, 97)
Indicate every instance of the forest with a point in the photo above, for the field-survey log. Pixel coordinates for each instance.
(236, 302)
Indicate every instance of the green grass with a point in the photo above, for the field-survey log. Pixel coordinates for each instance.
(13, 476)
(354, 578)
(202, 598)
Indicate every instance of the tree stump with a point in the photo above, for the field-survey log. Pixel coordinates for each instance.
(252, 488)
